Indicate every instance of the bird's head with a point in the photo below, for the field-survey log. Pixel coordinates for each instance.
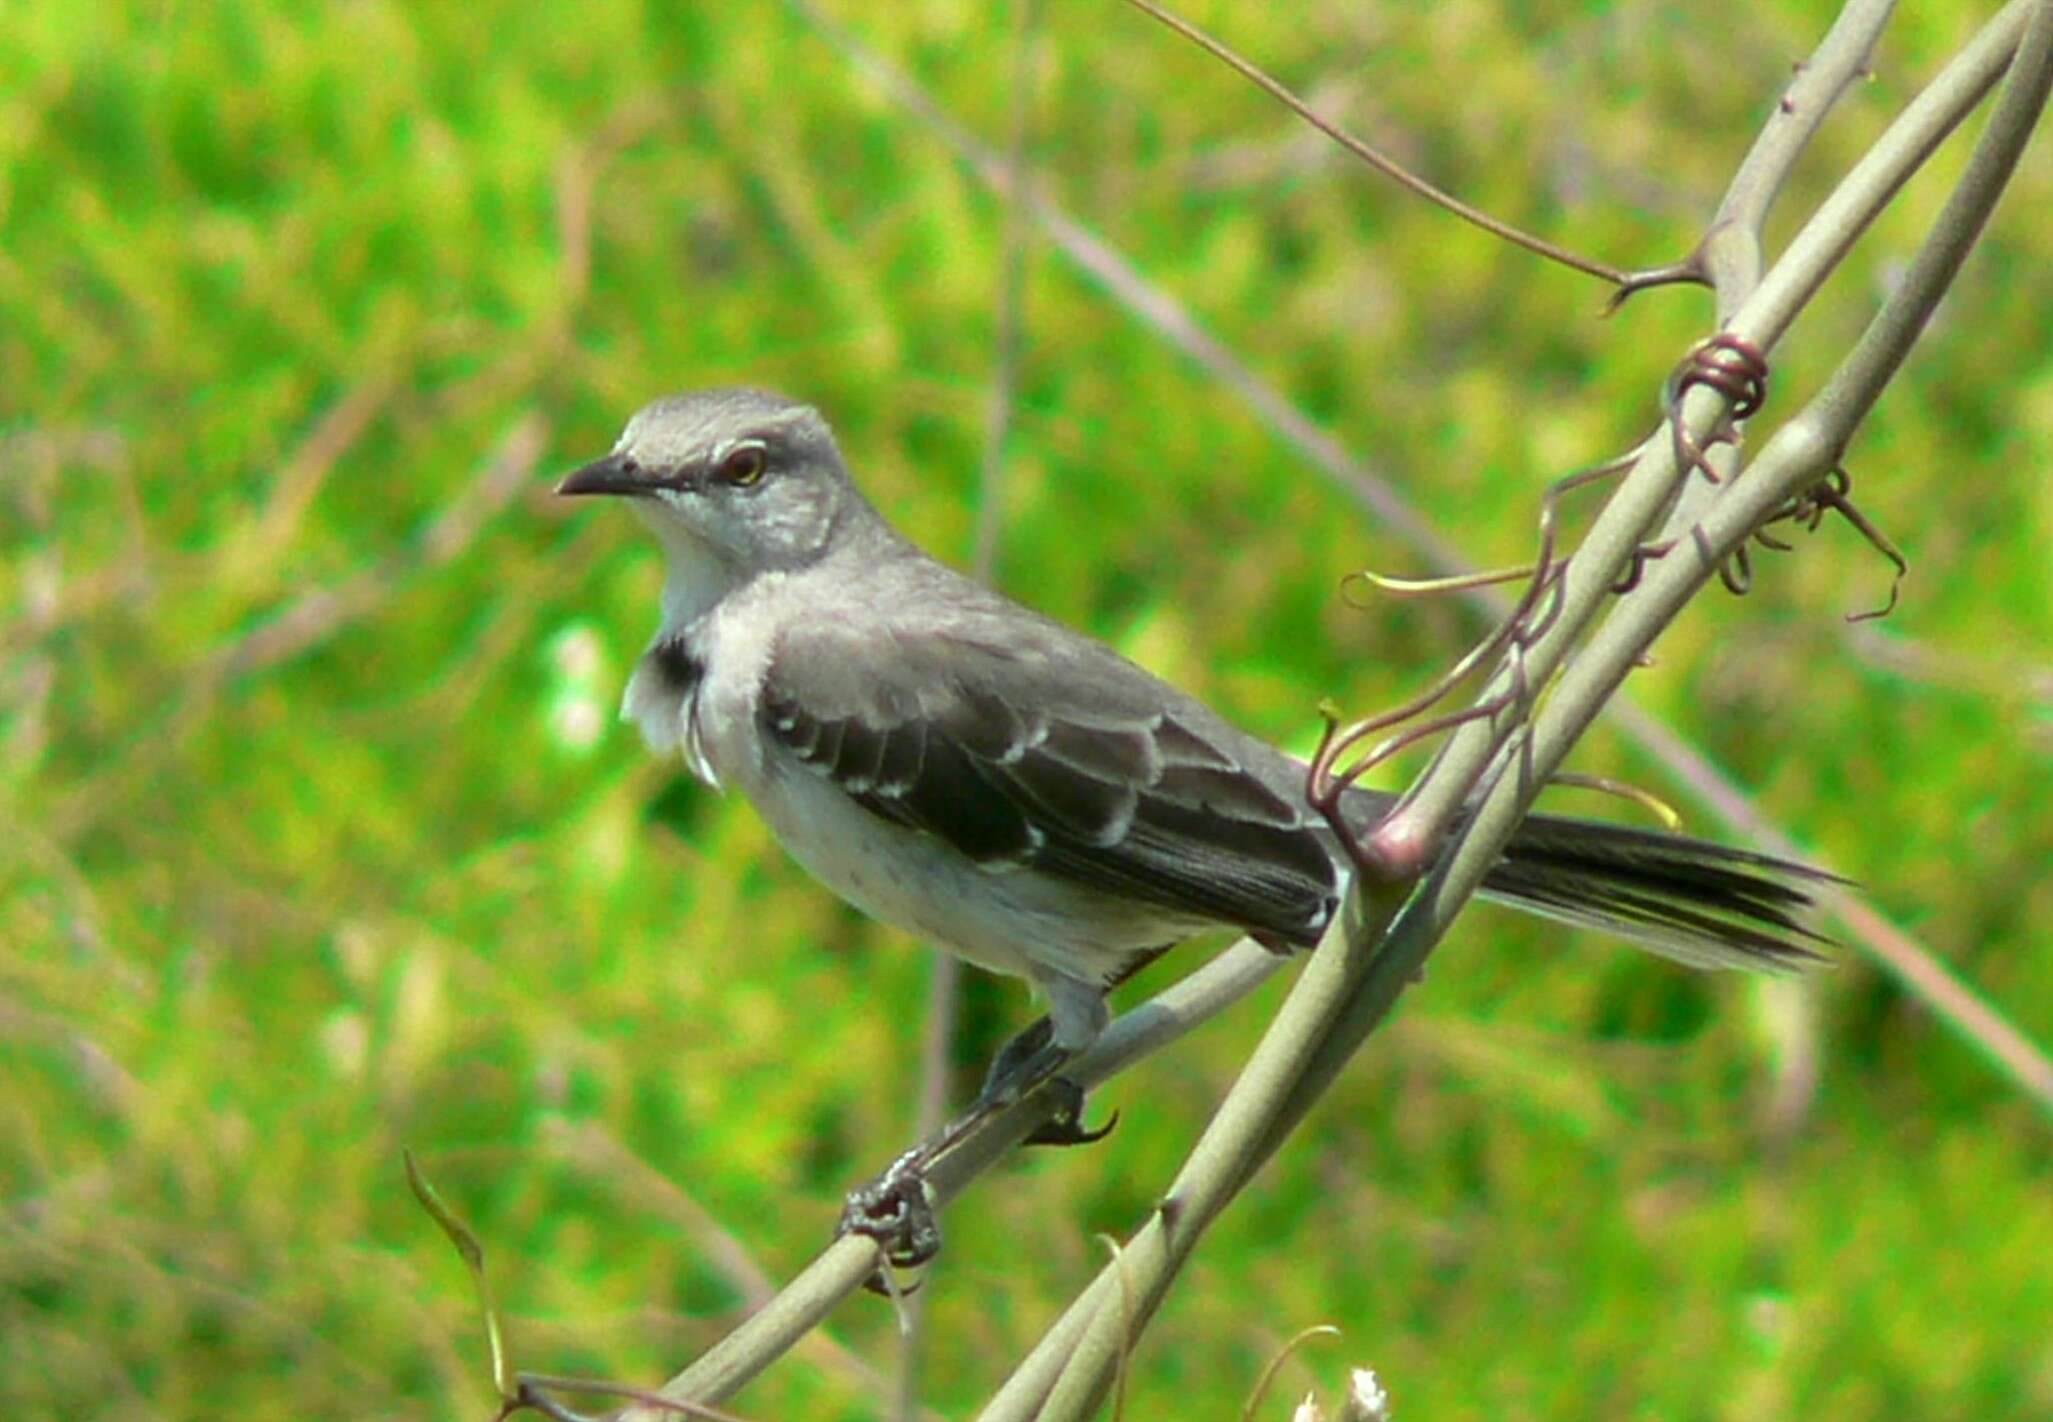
(743, 478)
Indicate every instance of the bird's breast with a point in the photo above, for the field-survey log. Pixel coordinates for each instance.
(735, 643)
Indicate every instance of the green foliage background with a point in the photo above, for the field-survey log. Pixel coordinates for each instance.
(320, 838)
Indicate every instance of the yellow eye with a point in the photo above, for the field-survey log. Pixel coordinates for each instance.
(744, 467)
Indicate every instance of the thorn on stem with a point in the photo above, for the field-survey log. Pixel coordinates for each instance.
(1687, 272)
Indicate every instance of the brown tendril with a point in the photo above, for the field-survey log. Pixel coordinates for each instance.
(1831, 494)
(1735, 368)
(1530, 619)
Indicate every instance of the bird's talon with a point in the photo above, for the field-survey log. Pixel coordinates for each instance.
(1066, 1126)
(1069, 1132)
(897, 1210)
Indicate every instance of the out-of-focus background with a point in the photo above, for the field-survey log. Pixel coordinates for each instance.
(320, 837)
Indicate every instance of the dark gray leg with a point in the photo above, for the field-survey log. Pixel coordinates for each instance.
(897, 1208)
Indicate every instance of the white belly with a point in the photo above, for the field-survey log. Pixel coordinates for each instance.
(1010, 921)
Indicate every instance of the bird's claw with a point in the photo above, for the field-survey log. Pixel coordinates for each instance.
(896, 1210)
(1066, 1126)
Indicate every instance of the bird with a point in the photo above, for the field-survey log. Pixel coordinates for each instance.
(1015, 791)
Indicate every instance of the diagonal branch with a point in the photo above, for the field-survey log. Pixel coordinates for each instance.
(1802, 452)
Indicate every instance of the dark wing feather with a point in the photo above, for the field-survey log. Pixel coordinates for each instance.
(1258, 877)
(1093, 779)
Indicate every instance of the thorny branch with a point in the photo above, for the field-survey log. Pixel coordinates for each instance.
(1651, 490)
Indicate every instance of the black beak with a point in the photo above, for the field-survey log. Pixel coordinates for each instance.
(611, 475)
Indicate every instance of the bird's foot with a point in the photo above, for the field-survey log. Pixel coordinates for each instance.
(897, 1210)
(1066, 1126)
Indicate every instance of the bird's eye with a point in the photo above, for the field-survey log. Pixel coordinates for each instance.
(744, 467)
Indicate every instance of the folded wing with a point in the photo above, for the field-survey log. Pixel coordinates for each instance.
(1019, 760)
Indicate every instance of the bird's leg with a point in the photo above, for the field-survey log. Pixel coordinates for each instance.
(897, 1208)
(1019, 1062)
(1077, 1014)
(1027, 1062)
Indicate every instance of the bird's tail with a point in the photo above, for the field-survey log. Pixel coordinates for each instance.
(1704, 904)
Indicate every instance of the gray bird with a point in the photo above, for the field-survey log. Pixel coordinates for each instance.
(1020, 794)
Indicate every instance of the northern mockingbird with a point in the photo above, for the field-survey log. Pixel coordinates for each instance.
(1020, 794)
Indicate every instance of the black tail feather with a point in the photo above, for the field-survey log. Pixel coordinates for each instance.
(1708, 905)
